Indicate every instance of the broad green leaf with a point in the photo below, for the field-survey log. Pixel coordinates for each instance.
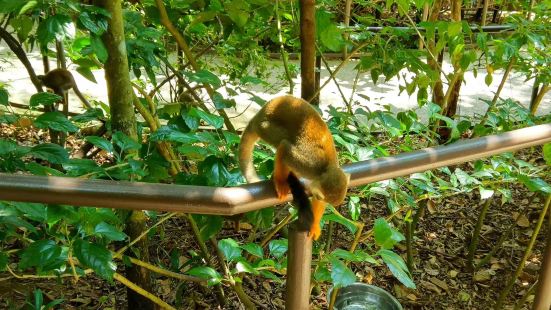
(166, 133)
(262, 218)
(278, 247)
(238, 11)
(4, 96)
(109, 231)
(535, 184)
(230, 248)
(44, 98)
(33, 211)
(101, 142)
(386, 236)
(244, 266)
(253, 249)
(209, 225)
(99, 48)
(341, 275)
(56, 121)
(397, 266)
(54, 26)
(331, 37)
(485, 193)
(78, 167)
(125, 142)
(351, 226)
(44, 255)
(204, 272)
(354, 207)
(204, 77)
(357, 256)
(547, 153)
(56, 213)
(322, 274)
(51, 152)
(88, 115)
(96, 257)
(211, 119)
(11, 6)
(215, 170)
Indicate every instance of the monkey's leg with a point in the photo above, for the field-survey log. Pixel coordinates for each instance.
(318, 207)
(281, 172)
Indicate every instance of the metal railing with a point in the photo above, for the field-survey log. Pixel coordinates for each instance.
(249, 197)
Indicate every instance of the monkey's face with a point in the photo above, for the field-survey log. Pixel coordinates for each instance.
(334, 185)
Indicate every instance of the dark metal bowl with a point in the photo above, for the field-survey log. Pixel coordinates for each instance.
(361, 296)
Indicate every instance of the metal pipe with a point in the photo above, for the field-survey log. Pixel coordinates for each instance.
(542, 300)
(298, 270)
(250, 197)
(489, 29)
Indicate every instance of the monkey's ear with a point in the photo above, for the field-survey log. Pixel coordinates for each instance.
(317, 194)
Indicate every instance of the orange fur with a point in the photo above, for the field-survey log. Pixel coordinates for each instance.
(305, 147)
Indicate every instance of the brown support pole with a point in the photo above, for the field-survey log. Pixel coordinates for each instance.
(307, 49)
(316, 100)
(298, 270)
(300, 245)
(543, 293)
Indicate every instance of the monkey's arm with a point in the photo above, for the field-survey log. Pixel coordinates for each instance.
(318, 208)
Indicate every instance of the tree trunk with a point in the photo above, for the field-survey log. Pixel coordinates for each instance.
(120, 94)
(437, 88)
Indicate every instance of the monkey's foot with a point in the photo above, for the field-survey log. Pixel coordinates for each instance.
(282, 189)
(315, 232)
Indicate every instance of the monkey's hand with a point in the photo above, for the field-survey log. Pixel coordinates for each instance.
(282, 188)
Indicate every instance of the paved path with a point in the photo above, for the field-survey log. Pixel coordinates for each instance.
(15, 76)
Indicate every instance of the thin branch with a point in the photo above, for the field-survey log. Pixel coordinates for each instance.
(131, 285)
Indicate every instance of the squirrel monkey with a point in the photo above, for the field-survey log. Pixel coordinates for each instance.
(60, 81)
(305, 148)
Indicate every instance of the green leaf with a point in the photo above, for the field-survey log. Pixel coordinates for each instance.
(278, 248)
(204, 272)
(44, 255)
(204, 77)
(166, 133)
(488, 79)
(230, 248)
(357, 256)
(51, 152)
(211, 119)
(96, 257)
(33, 211)
(54, 26)
(209, 225)
(99, 48)
(341, 275)
(109, 231)
(89, 22)
(125, 142)
(350, 225)
(485, 193)
(101, 142)
(322, 274)
(56, 121)
(397, 266)
(238, 11)
(44, 98)
(215, 170)
(56, 213)
(244, 266)
(547, 153)
(331, 37)
(4, 96)
(10, 6)
(88, 115)
(253, 249)
(262, 218)
(535, 184)
(78, 167)
(386, 236)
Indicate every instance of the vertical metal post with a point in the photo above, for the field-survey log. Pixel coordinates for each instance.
(298, 270)
(316, 100)
(543, 293)
(300, 245)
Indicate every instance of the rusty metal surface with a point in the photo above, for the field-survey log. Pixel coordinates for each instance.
(244, 198)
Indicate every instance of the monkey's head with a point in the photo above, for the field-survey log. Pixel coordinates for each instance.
(331, 186)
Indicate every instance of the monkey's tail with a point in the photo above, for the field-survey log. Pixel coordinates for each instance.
(246, 147)
(301, 200)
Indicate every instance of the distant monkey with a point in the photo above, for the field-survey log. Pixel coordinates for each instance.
(60, 81)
